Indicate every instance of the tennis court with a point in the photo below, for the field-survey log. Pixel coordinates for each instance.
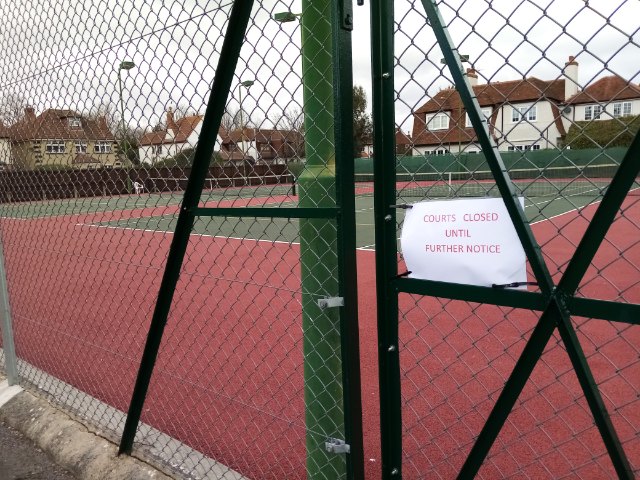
(232, 351)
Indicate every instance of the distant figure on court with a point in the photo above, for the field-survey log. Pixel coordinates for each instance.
(138, 187)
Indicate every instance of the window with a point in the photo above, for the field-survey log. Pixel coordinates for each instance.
(621, 109)
(74, 122)
(439, 121)
(156, 149)
(440, 151)
(530, 112)
(102, 147)
(55, 146)
(485, 111)
(522, 148)
(592, 112)
(81, 146)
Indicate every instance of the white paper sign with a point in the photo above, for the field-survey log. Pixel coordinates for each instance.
(469, 241)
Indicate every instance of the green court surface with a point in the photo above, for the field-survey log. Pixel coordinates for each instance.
(79, 206)
(286, 230)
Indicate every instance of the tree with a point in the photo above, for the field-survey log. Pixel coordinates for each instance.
(109, 113)
(129, 140)
(362, 123)
(12, 107)
(292, 120)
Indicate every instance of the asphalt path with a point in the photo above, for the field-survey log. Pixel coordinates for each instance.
(21, 459)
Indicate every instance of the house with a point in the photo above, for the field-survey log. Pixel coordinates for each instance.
(403, 144)
(526, 114)
(606, 98)
(261, 145)
(5, 146)
(178, 136)
(62, 138)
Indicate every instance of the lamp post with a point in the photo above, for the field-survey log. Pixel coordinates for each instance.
(246, 84)
(124, 65)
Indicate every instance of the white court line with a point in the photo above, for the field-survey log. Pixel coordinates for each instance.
(564, 213)
(171, 233)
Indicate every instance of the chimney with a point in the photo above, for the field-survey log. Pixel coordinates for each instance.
(30, 113)
(170, 122)
(571, 86)
(472, 75)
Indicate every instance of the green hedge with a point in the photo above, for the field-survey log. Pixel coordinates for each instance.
(617, 132)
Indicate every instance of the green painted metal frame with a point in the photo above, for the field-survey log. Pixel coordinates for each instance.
(343, 214)
(556, 302)
(382, 71)
(238, 21)
(347, 268)
(270, 212)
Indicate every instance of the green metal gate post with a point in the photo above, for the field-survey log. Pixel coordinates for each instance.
(318, 243)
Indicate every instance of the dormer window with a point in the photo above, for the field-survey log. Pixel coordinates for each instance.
(439, 121)
(74, 122)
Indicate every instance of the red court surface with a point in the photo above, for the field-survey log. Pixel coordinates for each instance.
(229, 377)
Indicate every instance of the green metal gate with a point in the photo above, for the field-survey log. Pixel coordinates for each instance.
(325, 212)
(479, 380)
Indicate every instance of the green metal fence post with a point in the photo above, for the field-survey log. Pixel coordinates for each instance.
(6, 325)
(318, 245)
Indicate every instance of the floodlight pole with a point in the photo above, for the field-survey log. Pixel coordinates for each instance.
(124, 65)
(246, 84)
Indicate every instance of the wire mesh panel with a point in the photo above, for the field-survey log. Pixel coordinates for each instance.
(554, 87)
(104, 111)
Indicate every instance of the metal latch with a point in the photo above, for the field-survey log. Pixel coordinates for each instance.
(335, 445)
(330, 302)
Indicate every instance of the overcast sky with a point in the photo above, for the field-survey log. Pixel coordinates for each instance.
(65, 53)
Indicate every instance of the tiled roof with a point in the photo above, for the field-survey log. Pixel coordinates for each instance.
(154, 138)
(402, 138)
(606, 89)
(497, 93)
(54, 124)
(489, 95)
(181, 129)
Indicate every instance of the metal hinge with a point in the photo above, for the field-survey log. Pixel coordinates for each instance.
(335, 445)
(330, 302)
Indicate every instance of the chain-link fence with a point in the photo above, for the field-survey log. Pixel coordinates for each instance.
(117, 180)
(507, 370)
(103, 106)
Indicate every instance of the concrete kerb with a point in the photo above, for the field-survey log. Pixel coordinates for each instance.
(84, 454)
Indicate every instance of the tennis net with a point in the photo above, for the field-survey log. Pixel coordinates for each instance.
(588, 181)
(224, 187)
